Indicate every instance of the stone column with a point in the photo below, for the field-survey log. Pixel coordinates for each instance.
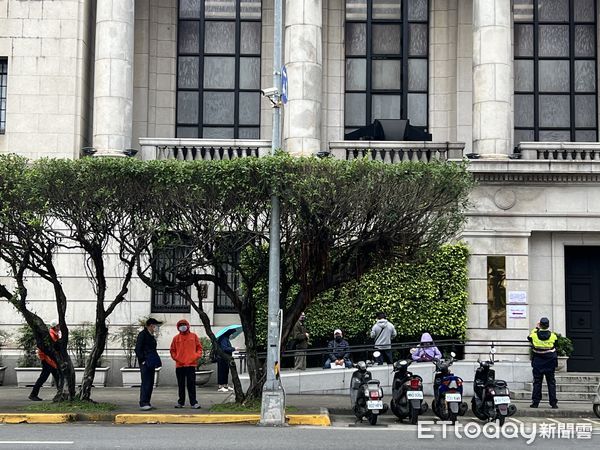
(492, 78)
(113, 76)
(303, 59)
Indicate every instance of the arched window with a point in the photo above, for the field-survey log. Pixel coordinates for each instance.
(386, 47)
(218, 69)
(556, 95)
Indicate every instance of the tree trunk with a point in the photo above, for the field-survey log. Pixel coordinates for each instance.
(100, 338)
(255, 369)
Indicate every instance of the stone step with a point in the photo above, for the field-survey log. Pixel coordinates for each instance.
(576, 378)
(562, 396)
(563, 387)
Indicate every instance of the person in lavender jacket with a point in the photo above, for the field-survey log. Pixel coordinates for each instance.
(426, 351)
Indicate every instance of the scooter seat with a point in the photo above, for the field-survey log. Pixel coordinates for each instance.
(500, 383)
(373, 382)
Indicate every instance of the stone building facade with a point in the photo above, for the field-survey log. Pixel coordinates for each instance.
(509, 84)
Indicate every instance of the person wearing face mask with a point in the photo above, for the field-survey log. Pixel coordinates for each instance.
(301, 340)
(339, 352)
(148, 359)
(186, 350)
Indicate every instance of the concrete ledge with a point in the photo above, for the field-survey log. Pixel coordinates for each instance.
(36, 418)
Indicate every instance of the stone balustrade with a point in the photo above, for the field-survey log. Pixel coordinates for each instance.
(202, 149)
(397, 151)
(560, 151)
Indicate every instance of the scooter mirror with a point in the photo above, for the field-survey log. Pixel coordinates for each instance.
(493, 351)
(376, 354)
(453, 354)
(403, 362)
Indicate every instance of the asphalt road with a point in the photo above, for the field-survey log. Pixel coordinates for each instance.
(343, 434)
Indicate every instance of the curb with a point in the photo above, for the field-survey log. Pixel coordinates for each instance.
(524, 412)
(37, 418)
(321, 420)
(136, 419)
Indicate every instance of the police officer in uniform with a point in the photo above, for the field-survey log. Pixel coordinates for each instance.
(544, 361)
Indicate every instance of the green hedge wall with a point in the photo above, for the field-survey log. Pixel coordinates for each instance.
(431, 297)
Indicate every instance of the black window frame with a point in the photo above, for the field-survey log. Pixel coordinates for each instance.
(167, 302)
(536, 58)
(404, 91)
(222, 303)
(201, 124)
(3, 93)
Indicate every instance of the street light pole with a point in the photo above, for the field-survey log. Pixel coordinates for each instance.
(273, 399)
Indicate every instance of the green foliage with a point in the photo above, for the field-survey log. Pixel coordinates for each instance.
(206, 348)
(76, 406)
(26, 342)
(564, 345)
(81, 340)
(417, 297)
(127, 337)
(3, 342)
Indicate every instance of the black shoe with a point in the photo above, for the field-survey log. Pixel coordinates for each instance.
(533, 405)
(554, 406)
(35, 398)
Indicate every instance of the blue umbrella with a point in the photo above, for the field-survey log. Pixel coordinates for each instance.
(237, 330)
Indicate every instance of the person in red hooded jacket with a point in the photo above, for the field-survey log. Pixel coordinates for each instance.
(186, 350)
(49, 365)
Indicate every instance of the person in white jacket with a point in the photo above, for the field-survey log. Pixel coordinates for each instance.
(383, 332)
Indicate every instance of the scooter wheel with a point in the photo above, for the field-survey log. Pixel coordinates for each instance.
(452, 417)
(597, 410)
(414, 416)
(373, 419)
(501, 420)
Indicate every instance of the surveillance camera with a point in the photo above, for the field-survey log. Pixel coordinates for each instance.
(270, 92)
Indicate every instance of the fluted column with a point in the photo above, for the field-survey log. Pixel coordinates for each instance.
(492, 78)
(113, 76)
(303, 59)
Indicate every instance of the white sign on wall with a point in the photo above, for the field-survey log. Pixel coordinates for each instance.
(517, 297)
(517, 311)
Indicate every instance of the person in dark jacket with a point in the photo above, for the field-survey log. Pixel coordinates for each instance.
(543, 361)
(300, 336)
(339, 352)
(148, 359)
(222, 363)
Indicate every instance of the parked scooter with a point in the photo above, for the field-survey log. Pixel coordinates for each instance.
(597, 402)
(407, 393)
(491, 399)
(366, 394)
(447, 391)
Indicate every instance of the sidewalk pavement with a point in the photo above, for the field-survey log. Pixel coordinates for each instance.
(14, 400)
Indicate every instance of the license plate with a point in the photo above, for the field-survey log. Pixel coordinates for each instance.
(453, 397)
(414, 395)
(375, 404)
(502, 400)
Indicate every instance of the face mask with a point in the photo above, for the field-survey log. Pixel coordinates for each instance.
(338, 339)
(182, 328)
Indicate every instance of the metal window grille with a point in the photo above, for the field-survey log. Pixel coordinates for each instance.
(556, 94)
(223, 303)
(218, 69)
(168, 302)
(3, 87)
(387, 48)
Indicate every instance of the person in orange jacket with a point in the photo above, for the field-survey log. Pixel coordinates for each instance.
(49, 366)
(186, 350)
